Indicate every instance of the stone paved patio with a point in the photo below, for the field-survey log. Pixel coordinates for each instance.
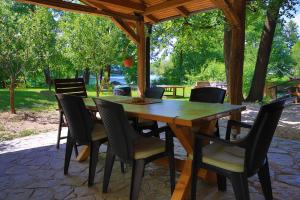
(32, 168)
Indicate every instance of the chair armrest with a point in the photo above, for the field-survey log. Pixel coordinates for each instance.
(201, 136)
(235, 123)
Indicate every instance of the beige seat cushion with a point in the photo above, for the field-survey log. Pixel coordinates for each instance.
(148, 146)
(226, 157)
(98, 132)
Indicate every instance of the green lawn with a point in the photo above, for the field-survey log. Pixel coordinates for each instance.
(38, 99)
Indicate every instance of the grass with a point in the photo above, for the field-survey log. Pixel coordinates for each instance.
(41, 99)
(35, 99)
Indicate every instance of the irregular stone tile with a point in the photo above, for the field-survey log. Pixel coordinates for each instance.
(62, 191)
(291, 179)
(42, 193)
(281, 159)
(19, 194)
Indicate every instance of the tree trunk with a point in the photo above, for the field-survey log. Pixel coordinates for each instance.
(101, 75)
(227, 45)
(97, 85)
(12, 94)
(108, 69)
(47, 77)
(76, 74)
(86, 76)
(264, 52)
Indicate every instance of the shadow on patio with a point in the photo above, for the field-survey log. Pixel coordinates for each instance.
(32, 168)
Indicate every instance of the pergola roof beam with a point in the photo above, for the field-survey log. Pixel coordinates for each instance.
(152, 19)
(229, 13)
(183, 11)
(68, 6)
(123, 4)
(165, 5)
(126, 29)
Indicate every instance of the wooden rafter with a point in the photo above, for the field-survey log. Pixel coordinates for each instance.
(121, 24)
(126, 29)
(229, 13)
(183, 11)
(123, 4)
(165, 5)
(152, 19)
(67, 6)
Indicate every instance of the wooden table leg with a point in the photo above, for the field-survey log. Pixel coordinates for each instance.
(186, 138)
(83, 154)
(182, 189)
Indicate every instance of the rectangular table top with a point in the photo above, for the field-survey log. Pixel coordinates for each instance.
(184, 113)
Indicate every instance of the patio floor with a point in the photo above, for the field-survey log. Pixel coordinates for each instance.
(32, 168)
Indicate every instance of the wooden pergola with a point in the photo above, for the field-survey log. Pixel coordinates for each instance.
(131, 16)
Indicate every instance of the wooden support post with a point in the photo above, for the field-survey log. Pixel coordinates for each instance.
(237, 55)
(148, 43)
(141, 47)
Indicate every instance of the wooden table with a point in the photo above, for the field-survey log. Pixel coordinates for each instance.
(181, 116)
(172, 88)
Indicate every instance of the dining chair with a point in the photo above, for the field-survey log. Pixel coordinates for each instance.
(83, 130)
(75, 87)
(209, 95)
(154, 93)
(130, 147)
(122, 91)
(243, 158)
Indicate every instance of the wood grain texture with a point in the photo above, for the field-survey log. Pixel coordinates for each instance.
(183, 113)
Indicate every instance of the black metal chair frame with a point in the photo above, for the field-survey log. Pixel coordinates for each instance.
(256, 147)
(124, 150)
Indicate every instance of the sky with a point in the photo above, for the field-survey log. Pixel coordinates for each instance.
(297, 17)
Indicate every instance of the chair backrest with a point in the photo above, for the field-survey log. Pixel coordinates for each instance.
(80, 122)
(260, 136)
(208, 95)
(74, 87)
(154, 92)
(120, 133)
(122, 91)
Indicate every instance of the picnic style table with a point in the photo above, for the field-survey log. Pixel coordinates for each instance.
(182, 117)
(172, 88)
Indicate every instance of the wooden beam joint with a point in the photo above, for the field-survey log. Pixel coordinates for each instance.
(229, 12)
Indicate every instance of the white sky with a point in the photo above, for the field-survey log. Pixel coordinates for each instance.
(297, 17)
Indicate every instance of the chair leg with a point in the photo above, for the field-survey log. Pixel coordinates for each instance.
(240, 186)
(109, 162)
(122, 167)
(221, 182)
(93, 161)
(217, 133)
(69, 148)
(265, 181)
(196, 161)
(155, 130)
(76, 150)
(170, 147)
(136, 178)
(61, 120)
